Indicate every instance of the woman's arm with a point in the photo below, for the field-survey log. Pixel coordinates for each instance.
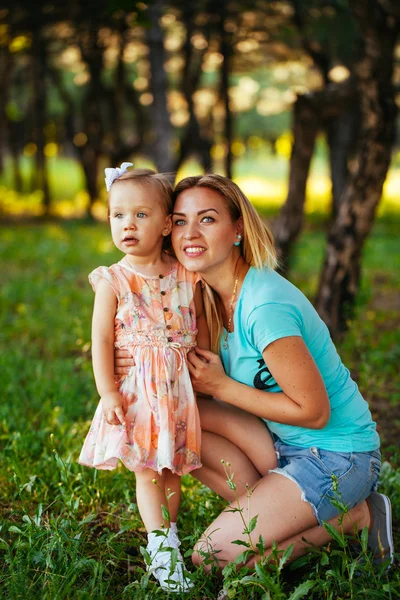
(105, 305)
(203, 335)
(303, 401)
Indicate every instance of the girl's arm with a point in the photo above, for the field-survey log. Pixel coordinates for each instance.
(303, 401)
(105, 305)
(203, 335)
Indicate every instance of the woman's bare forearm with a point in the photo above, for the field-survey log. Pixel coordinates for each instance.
(273, 406)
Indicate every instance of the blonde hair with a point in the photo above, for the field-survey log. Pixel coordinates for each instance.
(257, 247)
(159, 181)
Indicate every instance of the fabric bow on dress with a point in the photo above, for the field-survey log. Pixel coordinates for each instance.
(113, 174)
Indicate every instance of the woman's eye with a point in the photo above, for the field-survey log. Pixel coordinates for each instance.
(179, 222)
(141, 215)
(207, 220)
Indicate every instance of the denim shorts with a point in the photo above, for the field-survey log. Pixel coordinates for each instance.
(324, 476)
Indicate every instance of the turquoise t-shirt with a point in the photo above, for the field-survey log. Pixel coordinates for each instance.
(268, 308)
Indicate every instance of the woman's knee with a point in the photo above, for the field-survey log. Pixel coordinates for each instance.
(206, 556)
(213, 551)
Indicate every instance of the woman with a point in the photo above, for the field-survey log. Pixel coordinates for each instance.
(273, 363)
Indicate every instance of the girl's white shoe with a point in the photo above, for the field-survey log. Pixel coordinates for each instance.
(172, 575)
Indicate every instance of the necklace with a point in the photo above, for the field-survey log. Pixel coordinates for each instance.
(228, 329)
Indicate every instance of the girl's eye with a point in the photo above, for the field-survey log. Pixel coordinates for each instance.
(141, 215)
(179, 222)
(207, 220)
(118, 216)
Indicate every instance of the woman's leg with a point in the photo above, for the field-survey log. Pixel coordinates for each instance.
(244, 441)
(283, 517)
(150, 497)
(172, 484)
(352, 522)
(237, 437)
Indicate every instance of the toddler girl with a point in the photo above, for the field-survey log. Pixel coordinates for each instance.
(149, 304)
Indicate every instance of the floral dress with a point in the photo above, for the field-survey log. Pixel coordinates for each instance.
(155, 320)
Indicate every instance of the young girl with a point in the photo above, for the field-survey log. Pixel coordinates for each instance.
(150, 305)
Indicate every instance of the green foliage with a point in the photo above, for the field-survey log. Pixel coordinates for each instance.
(69, 532)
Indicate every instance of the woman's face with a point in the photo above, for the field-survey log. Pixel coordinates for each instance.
(203, 232)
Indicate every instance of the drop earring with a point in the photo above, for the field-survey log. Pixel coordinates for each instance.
(239, 237)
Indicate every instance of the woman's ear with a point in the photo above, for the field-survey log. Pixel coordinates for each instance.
(240, 226)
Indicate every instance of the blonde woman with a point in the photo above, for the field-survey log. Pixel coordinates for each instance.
(288, 418)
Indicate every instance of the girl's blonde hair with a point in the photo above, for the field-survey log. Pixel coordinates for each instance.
(159, 181)
(257, 247)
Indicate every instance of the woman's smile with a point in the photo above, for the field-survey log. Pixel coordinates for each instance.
(194, 251)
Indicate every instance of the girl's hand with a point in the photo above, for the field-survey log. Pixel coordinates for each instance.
(123, 361)
(113, 408)
(206, 371)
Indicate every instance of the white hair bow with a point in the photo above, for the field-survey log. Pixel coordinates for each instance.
(113, 174)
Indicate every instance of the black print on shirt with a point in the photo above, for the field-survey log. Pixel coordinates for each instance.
(262, 380)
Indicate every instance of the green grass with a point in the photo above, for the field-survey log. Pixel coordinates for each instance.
(70, 532)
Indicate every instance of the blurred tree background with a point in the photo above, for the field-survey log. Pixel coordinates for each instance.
(255, 89)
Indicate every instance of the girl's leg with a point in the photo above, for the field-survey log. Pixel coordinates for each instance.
(171, 574)
(150, 497)
(172, 483)
(283, 517)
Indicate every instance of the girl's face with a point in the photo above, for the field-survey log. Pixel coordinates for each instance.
(203, 232)
(137, 218)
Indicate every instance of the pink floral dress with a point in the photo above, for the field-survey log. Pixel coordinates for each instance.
(156, 322)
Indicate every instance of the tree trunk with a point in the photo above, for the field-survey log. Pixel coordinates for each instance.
(341, 271)
(342, 131)
(15, 151)
(193, 140)
(163, 132)
(40, 112)
(226, 51)
(5, 70)
(309, 112)
(90, 153)
(288, 225)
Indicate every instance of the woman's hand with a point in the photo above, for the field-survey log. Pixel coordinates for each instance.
(123, 361)
(113, 408)
(206, 371)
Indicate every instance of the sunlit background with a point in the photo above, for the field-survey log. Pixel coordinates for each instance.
(103, 66)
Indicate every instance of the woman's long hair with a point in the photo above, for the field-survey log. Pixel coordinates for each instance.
(257, 247)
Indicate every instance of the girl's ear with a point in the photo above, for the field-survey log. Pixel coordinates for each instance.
(168, 226)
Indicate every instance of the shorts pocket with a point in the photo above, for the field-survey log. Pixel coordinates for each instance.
(375, 466)
(334, 464)
(370, 475)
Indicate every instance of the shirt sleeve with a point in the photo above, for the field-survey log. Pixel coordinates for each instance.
(272, 321)
(104, 273)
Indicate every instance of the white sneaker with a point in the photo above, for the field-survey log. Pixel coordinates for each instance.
(171, 578)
